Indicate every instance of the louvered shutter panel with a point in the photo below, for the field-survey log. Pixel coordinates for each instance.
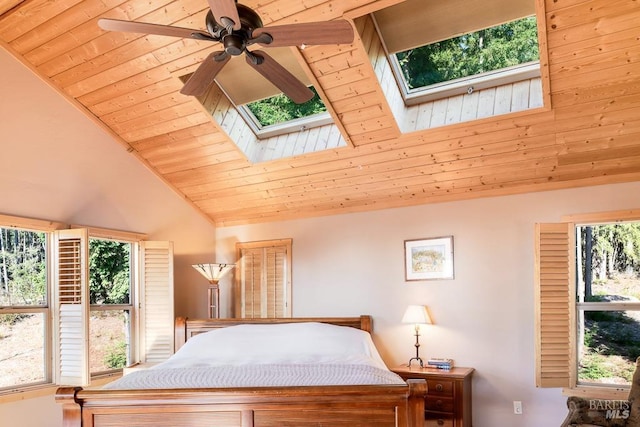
(275, 280)
(263, 283)
(555, 290)
(250, 273)
(71, 307)
(156, 301)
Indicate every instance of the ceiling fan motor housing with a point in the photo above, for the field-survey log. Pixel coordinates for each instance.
(235, 42)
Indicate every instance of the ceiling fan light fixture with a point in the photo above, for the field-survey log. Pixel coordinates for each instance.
(233, 44)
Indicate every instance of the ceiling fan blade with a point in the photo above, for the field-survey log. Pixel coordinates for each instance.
(311, 33)
(225, 8)
(146, 28)
(280, 77)
(205, 74)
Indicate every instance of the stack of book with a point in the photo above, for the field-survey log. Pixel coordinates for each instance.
(440, 363)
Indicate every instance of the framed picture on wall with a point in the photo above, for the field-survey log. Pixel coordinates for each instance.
(428, 259)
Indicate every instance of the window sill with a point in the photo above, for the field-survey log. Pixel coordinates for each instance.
(30, 392)
(593, 392)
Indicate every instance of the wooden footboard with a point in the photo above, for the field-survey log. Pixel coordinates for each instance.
(326, 406)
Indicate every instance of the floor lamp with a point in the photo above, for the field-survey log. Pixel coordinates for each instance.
(418, 315)
(213, 273)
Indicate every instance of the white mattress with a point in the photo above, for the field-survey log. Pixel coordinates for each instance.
(287, 354)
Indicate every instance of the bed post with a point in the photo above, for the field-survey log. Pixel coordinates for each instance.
(71, 409)
(415, 404)
(366, 323)
(180, 334)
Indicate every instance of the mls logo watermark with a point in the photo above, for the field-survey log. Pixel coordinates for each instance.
(613, 409)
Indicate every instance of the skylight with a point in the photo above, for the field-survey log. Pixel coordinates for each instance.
(480, 52)
(278, 115)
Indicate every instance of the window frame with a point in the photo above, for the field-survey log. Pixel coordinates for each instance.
(563, 306)
(284, 128)
(583, 306)
(133, 240)
(47, 227)
(160, 260)
(469, 84)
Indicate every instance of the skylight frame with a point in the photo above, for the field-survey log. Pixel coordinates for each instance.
(284, 128)
(290, 126)
(469, 84)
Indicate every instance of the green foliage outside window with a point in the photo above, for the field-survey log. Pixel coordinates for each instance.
(22, 267)
(281, 109)
(486, 50)
(109, 272)
(116, 357)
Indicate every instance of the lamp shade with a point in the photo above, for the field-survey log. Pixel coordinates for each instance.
(416, 314)
(213, 272)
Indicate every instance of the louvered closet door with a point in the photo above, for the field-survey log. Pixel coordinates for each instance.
(156, 301)
(555, 299)
(262, 281)
(71, 307)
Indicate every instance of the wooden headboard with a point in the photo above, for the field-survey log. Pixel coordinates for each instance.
(186, 328)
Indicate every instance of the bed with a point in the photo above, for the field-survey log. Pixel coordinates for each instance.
(287, 375)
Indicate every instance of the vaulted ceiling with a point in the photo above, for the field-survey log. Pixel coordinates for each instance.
(587, 132)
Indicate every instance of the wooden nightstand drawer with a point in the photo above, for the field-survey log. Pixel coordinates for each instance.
(442, 404)
(439, 388)
(448, 399)
(438, 420)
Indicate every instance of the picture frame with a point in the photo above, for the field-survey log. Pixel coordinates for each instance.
(429, 258)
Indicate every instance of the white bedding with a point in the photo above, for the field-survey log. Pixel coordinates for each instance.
(255, 376)
(307, 353)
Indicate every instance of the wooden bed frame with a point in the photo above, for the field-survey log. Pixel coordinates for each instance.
(304, 406)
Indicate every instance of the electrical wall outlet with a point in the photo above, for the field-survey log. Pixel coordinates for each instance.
(517, 407)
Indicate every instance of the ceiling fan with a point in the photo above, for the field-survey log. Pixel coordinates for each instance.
(237, 27)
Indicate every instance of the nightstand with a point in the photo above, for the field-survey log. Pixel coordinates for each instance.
(448, 400)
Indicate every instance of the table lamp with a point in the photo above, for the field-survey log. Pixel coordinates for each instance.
(418, 315)
(213, 273)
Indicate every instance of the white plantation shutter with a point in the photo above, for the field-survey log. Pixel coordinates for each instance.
(555, 297)
(156, 301)
(71, 307)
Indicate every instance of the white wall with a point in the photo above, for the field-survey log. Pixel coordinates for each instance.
(57, 165)
(484, 318)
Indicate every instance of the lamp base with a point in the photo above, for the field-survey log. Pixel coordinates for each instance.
(417, 359)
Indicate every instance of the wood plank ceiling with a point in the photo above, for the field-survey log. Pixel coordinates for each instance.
(588, 135)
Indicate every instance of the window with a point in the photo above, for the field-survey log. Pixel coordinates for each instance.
(262, 106)
(488, 57)
(608, 302)
(463, 60)
(278, 115)
(61, 289)
(587, 302)
(442, 48)
(263, 279)
(24, 307)
(111, 312)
